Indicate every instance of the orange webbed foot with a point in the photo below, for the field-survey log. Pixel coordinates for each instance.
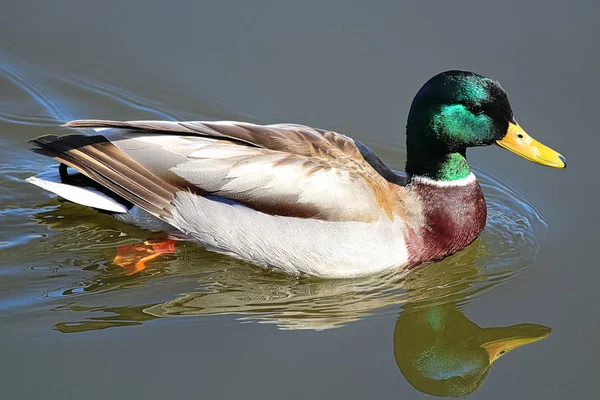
(133, 257)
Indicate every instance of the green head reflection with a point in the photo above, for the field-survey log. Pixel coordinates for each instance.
(441, 352)
(437, 348)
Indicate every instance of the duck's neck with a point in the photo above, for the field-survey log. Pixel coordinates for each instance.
(429, 159)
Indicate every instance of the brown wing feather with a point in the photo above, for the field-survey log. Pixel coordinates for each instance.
(103, 162)
(329, 149)
(288, 138)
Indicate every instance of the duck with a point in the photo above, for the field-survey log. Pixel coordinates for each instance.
(293, 198)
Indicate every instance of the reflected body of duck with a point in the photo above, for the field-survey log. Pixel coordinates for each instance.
(438, 350)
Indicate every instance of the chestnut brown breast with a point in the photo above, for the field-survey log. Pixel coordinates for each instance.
(454, 217)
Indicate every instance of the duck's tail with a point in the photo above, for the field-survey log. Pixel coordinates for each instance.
(80, 191)
(114, 179)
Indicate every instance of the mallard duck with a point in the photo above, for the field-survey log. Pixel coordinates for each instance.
(299, 199)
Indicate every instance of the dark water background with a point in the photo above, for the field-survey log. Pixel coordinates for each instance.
(196, 324)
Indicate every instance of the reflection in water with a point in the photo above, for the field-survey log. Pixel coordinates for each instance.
(443, 353)
(437, 348)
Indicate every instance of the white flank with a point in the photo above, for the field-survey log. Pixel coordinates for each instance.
(294, 245)
(459, 182)
(85, 196)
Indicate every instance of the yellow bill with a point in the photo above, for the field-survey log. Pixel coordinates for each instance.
(514, 336)
(519, 142)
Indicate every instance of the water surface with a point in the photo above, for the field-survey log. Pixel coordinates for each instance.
(195, 323)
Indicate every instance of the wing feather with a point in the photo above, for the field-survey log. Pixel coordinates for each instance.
(282, 169)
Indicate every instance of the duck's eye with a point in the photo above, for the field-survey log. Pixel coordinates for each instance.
(476, 109)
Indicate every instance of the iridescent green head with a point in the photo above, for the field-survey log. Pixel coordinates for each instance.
(458, 109)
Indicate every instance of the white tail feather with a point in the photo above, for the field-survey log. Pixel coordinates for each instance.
(80, 195)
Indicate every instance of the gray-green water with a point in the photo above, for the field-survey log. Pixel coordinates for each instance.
(196, 324)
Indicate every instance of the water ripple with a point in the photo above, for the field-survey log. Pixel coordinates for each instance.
(37, 92)
(50, 91)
